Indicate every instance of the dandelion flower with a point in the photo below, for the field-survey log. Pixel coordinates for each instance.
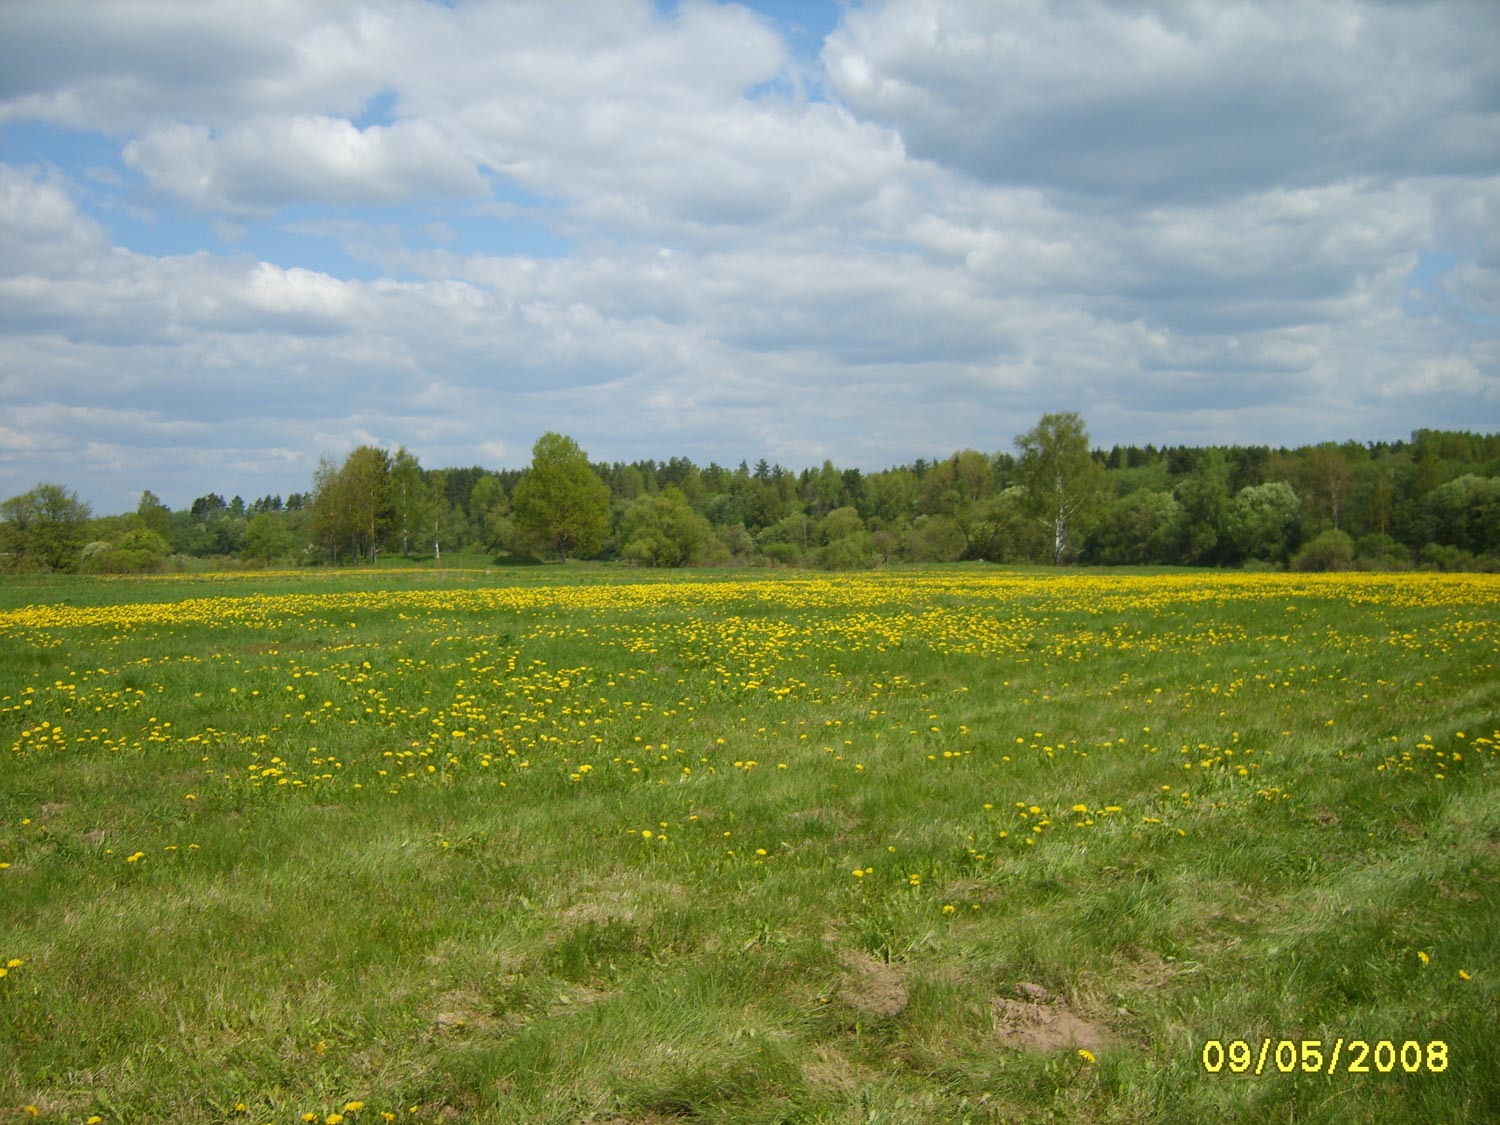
(1423, 956)
(1086, 1055)
(1462, 975)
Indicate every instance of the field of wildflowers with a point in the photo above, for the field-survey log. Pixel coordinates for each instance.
(575, 845)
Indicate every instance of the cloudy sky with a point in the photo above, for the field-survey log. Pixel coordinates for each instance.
(236, 236)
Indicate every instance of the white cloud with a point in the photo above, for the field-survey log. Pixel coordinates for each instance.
(1445, 375)
(1193, 222)
(129, 64)
(268, 163)
(1204, 99)
(41, 230)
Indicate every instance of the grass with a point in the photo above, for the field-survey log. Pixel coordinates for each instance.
(591, 845)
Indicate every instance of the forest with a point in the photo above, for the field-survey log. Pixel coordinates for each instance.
(1430, 502)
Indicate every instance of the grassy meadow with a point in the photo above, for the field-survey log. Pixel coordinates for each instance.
(579, 844)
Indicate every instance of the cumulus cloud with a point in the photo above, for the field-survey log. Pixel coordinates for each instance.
(268, 163)
(129, 64)
(41, 229)
(296, 227)
(1199, 100)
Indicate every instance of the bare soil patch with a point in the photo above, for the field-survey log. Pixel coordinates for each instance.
(872, 986)
(1037, 1021)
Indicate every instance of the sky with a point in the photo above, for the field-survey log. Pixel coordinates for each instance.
(236, 238)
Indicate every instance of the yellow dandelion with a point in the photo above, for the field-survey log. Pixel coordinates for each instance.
(1462, 975)
(1086, 1055)
(1425, 959)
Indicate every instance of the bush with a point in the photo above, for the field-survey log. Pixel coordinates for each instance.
(787, 554)
(1333, 550)
(1380, 552)
(935, 539)
(1441, 556)
(849, 553)
(138, 551)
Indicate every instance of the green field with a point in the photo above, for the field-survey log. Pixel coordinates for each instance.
(580, 844)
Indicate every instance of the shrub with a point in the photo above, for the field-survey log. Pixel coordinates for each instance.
(1380, 552)
(1442, 556)
(1333, 550)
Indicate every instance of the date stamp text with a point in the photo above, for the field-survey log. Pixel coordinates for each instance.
(1321, 1056)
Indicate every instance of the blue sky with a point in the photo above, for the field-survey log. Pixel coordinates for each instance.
(237, 238)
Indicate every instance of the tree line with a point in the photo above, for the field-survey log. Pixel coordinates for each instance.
(1432, 501)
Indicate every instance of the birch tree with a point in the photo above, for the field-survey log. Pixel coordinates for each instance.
(1064, 484)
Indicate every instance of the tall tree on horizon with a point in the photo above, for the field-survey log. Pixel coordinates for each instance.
(43, 529)
(561, 502)
(352, 502)
(1063, 482)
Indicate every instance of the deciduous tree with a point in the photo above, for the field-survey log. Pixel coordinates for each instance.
(352, 502)
(1262, 521)
(267, 538)
(663, 530)
(1064, 484)
(561, 503)
(43, 529)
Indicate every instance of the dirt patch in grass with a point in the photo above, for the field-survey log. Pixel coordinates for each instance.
(829, 1070)
(632, 900)
(871, 985)
(1037, 1021)
(459, 1010)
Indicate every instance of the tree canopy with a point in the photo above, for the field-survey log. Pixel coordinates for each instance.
(560, 502)
(1430, 501)
(1063, 482)
(44, 529)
